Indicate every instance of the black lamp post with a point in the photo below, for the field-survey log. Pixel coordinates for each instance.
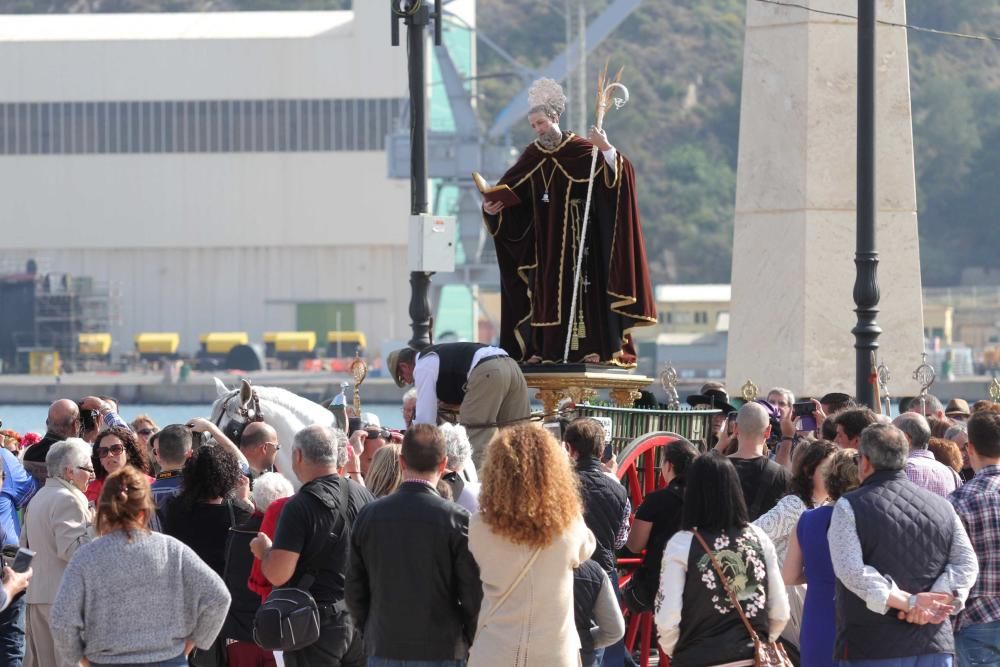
(416, 14)
(866, 294)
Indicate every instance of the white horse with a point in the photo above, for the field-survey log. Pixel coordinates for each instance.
(284, 411)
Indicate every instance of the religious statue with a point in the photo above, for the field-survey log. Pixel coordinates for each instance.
(545, 270)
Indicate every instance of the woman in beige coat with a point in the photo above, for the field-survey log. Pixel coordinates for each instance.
(56, 522)
(528, 537)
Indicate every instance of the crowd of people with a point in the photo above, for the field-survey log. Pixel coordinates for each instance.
(827, 534)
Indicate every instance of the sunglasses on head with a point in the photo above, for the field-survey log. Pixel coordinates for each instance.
(113, 450)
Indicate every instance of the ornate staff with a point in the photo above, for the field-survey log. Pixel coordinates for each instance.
(993, 389)
(668, 380)
(882, 378)
(605, 98)
(359, 371)
(924, 375)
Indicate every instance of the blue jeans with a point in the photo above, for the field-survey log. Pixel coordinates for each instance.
(932, 660)
(389, 662)
(592, 658)
(978, 645)
(12, 634)
(179, 661)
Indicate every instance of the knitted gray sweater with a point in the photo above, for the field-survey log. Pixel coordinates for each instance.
(138, 601)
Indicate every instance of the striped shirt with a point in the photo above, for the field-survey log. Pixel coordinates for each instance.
(978, 505)
(925, 471)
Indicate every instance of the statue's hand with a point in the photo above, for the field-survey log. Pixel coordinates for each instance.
(599, 138)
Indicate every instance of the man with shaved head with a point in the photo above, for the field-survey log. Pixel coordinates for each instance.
(764, 482)
(63, 422)
(259, 444)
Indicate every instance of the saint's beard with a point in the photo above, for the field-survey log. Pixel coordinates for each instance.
(551, 139)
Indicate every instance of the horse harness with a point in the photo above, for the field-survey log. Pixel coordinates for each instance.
(249, 412)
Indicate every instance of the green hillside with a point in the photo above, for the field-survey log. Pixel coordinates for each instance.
(686, 154)
(683, 61)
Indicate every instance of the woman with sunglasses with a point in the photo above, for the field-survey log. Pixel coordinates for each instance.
(145, 428)
(113, 450)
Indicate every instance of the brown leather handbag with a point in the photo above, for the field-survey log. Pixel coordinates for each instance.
(765, 654)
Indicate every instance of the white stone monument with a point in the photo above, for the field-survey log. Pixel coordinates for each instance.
(793, 253)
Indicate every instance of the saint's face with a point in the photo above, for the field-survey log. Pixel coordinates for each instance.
(540, 123)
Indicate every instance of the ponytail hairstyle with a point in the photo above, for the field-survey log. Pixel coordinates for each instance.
(125, 504)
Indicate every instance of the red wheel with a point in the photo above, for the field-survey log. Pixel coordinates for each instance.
(639, 470)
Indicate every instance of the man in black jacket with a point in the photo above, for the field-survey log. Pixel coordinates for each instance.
(606, 506)
(412, 586)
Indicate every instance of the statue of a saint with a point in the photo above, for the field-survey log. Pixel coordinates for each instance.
(537, 242)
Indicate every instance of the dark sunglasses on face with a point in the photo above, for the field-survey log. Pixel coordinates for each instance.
(113, 450)
(146, 432)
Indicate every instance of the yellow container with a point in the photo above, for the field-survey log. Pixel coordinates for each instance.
(157, 343)
(355, 337)
(294, 341)
(221, 342)
(271, 336)
(43, 362)
(96, 344)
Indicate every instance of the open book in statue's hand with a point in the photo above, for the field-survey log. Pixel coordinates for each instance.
(492, 193)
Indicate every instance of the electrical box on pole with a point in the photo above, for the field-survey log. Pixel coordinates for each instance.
(432, 243)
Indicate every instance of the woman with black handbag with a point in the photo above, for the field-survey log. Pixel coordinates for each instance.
(212, 501)
(722, 601)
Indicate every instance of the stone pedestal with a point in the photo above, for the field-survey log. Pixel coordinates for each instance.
(793, 252)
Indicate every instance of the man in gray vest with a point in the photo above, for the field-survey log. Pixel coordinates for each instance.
(903, 561)
(482, 380)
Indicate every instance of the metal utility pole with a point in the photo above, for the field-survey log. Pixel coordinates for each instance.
(866, 293)
(416, 14)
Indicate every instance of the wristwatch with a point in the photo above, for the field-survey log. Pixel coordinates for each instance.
(911, 605)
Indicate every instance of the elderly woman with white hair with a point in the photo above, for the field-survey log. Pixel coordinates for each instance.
(461, 474)
(57, 521)
(243, 576)
(270, 493)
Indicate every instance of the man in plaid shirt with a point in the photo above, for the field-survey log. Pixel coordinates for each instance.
(977, 639)
(921, 467)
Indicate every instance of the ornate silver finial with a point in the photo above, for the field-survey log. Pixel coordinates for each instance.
(924, 375)
(668, 380)
(993, 389)
(883, 376)
(749, 391)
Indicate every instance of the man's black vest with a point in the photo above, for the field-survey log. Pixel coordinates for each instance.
(453, 373)
(603, 508)
(906, 534)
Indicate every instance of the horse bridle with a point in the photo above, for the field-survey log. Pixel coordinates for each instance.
(250, 413)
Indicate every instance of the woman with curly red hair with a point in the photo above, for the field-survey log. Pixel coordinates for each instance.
(528, 537)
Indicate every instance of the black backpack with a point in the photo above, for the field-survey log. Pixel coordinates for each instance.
(289, 619)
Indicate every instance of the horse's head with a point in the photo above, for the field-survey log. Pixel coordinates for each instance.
(235, 408)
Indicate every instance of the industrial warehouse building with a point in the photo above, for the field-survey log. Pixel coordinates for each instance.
(212, 172)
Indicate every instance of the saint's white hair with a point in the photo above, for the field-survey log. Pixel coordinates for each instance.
(547, 96)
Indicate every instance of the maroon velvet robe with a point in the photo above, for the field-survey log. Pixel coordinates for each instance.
(537, 245)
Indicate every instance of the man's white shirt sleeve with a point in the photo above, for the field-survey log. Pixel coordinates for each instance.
(425, 375)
